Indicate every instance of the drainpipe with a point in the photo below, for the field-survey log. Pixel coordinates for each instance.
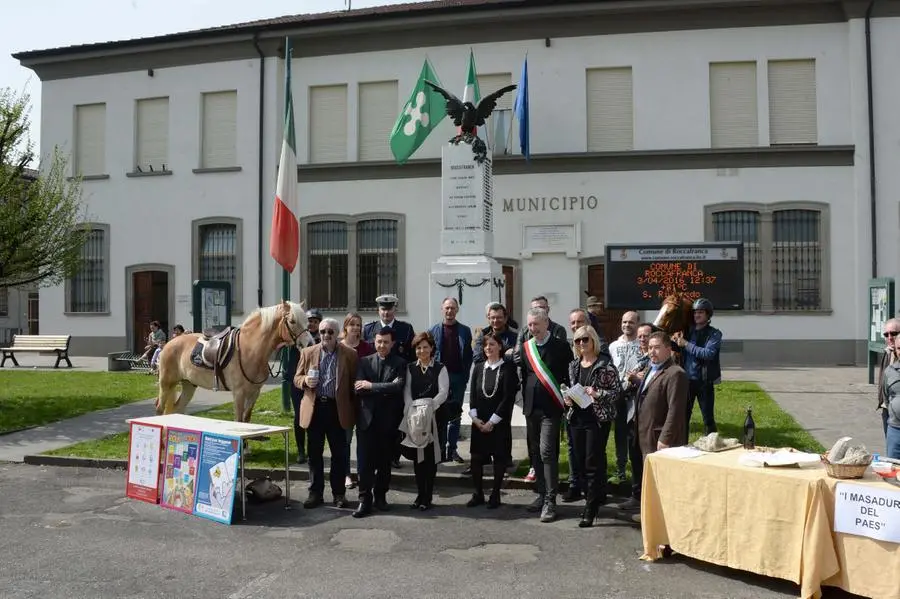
(259, 223)
(872, 192)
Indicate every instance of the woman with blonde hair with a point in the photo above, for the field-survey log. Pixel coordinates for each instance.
(594, 370)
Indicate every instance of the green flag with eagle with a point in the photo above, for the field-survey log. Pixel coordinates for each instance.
(423, 112)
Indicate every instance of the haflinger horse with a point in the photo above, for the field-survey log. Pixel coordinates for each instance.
(675, 316)
(235, 358)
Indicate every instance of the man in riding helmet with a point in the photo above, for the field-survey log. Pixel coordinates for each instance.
(700, 358)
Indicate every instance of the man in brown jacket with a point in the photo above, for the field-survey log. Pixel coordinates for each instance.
(661, 399)
(326, 373)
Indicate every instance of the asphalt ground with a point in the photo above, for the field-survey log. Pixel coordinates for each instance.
(71, 533)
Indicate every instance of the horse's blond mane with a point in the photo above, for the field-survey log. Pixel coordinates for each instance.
(269, 316)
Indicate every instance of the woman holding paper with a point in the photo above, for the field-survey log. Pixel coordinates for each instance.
(592, 409)
(492, 394)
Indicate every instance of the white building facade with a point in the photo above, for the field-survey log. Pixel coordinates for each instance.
(650, 122)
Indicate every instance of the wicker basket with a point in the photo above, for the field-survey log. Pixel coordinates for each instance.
(845, 471)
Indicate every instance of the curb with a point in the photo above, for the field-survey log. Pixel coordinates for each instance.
(443, 479)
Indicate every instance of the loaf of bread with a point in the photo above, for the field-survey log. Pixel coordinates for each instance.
(844, 451)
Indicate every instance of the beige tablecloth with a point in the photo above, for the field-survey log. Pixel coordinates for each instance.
(772, 521)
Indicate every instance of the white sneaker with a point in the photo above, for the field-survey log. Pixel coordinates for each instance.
(531, 476)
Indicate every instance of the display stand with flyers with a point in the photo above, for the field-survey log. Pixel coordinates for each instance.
(194, 465)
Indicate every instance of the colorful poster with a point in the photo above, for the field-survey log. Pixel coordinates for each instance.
(217, 477)
(145, 442)
(180, 474)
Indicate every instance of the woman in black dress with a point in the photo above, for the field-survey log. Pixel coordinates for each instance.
(492, 394)
(593, 368)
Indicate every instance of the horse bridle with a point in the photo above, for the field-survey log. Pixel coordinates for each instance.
(290, 331)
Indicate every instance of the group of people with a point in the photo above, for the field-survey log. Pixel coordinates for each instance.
(404, 392)
(156, 341)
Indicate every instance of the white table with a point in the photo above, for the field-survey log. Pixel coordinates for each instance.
(240, 430)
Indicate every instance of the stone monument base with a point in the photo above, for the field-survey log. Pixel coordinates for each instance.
(472, 280)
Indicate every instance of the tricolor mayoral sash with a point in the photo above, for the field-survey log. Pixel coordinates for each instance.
(542, 372)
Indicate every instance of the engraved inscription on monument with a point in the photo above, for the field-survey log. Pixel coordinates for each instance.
(466, 209)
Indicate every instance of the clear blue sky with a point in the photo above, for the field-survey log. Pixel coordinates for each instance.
(41, 24)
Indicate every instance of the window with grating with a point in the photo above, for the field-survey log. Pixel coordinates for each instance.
(328, 265)
(90, 140)
(743, 226)
(217, 260)
(153, 134)
(733, 114)
(328, 123)
(797, 260)
(610, 110)
(218, 143)
(377, 260)
(792, 102)
(87, 290)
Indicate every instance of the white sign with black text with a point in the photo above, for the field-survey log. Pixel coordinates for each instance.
(867, 511)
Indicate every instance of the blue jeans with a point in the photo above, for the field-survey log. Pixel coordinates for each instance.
(452, 412)
(893, 442)
(705, 394)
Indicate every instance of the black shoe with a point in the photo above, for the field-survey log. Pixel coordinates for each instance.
(425, 506)
(467, 471)
(457, 458)
(536, 505)
(340, 501)
(314, 500)
(477, 499)
(587, 518)
(302, 459)
(494, 501)
(381, 504)
(363, 510)
(572, 495)
(395, 463)
(415, 504)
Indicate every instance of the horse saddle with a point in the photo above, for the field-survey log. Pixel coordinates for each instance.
(214, 349)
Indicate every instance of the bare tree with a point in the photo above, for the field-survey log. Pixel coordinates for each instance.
(42, 219)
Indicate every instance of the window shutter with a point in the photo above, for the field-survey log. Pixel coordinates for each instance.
(328, 123)
(378, 110)
(610, 110)
(153, 133)
(90, 139)
(488, 84)
(219, 143)
(792, 102)
(733, 113)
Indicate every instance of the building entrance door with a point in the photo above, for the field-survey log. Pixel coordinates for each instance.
(610, 320)
(151, 302)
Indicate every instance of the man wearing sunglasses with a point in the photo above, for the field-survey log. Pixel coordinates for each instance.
(326, 374)
(890, 332)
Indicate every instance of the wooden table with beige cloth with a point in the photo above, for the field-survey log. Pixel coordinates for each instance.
(772, 521)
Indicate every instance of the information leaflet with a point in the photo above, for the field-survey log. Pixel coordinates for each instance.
(145, 443)
(217, 474)
(180, 475)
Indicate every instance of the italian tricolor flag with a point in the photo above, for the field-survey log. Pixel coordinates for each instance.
(472, 93)
(284, 242)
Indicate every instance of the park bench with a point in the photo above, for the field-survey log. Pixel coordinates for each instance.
(130, 361)
(45, 344)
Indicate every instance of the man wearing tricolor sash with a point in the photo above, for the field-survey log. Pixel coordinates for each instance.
(544, 360)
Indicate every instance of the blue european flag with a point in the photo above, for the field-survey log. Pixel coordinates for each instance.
(521, 110)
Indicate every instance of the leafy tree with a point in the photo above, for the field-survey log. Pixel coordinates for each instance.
(42, 221)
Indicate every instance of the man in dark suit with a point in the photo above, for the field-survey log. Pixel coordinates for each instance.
(326, 373)
(403, 331)
(544, 360)
(403, 336)
(379, 384)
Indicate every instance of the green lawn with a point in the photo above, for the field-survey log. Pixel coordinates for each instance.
(33, 398)
(774, 426)
(263, 454)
